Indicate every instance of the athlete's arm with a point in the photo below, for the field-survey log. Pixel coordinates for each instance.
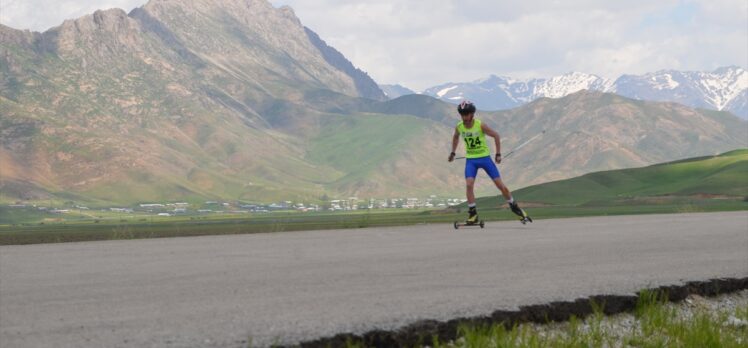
(496, 139)
(455, 141)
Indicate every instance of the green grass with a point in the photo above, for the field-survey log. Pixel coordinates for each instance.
(725, 175)
(656, 323)
(37, 227)
(18, 216)
(125, 226)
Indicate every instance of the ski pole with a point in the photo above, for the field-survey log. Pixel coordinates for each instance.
(523, 144)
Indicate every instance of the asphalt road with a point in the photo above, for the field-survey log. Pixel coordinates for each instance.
(230, 291)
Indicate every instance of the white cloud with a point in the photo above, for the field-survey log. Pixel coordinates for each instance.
(431, 42)
(421, 43)
(40, 15)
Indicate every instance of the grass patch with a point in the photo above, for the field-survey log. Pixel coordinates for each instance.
(653, 323)
(54, 228)
(135, 227)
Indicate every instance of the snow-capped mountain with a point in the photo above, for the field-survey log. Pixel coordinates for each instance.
(498, 93)
(723, 89)
(739, 104)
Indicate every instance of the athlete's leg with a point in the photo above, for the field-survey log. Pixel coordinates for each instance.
(504, 190)
(493, 172)
(472, 210)
(471, 171)
(469, 190)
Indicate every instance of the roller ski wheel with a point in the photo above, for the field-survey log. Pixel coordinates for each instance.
(458, 224)
(525, 220)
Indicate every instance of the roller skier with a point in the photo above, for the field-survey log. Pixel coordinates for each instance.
(478, 156)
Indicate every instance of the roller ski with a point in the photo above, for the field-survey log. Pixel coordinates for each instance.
(472, 220)
(523, 217)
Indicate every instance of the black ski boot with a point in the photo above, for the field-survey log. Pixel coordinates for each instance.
(523, 217)
(472, 216)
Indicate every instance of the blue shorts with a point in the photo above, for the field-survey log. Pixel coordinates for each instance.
(472, 165)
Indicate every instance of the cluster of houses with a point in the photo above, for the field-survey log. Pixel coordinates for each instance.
(351, 203)
(354, 203)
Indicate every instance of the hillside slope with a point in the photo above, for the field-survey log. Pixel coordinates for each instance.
(724, 175)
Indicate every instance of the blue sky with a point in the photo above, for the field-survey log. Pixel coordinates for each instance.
(421, 43)
(681, 14)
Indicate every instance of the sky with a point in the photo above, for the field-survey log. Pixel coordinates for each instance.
(424, 43)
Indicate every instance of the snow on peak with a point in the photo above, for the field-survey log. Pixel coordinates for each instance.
(723, 85)
(444, 91)
(722, 89)
(717, 88)
(560, 86)
(664, 81)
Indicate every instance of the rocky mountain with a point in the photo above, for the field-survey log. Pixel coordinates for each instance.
(176, 98)
(723, 89)
(589, 131)
(395, 91)
(365, 86)
(236, 100)
(592, 131)
(585, 131)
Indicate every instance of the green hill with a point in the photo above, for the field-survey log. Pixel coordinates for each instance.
(722, 176)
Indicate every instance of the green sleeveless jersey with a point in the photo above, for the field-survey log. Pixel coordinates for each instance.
(475, 140)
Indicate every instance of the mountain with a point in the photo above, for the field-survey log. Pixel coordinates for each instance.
(501, 93)
(490, 93)
(237, 100)
(584, 132)
(739, 104)
(723, 89)
(175, 99)
(394, 91)
(593, 131)
(365, 86)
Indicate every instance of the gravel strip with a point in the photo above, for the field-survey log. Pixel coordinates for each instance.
(620, 325)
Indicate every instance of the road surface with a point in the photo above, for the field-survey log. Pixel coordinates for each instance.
(230, 291)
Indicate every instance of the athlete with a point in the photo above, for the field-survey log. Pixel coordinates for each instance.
(478, 155)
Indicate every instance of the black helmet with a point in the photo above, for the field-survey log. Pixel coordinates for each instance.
(466, 108)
